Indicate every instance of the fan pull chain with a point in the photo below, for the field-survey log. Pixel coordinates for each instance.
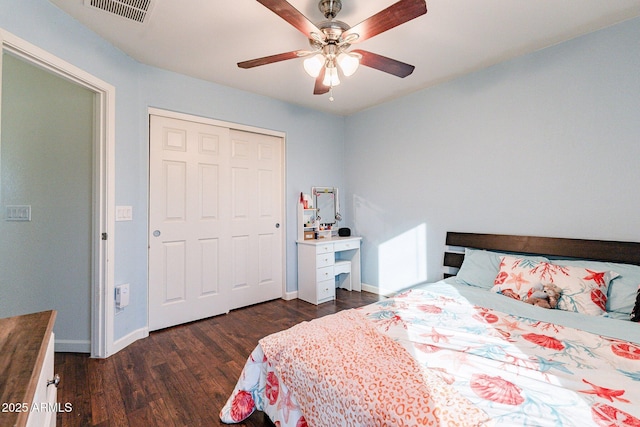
(331, 93)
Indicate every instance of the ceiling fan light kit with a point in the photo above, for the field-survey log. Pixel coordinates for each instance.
(349, 63)
(331, 39)
(331, 78)
(314, 64)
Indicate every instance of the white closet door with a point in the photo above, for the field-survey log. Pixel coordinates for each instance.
(197, 259)
(256, 229)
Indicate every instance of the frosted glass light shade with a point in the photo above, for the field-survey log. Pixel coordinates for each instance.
(348, 63)
(313, 65)
(331, 77)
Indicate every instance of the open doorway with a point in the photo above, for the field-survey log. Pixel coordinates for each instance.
(46, 195)
(56, 164)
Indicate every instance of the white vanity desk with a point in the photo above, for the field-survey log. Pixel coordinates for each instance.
(322, 262)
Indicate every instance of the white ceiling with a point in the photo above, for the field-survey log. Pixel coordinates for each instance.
(206, 38)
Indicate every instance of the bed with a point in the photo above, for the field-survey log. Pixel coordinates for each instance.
(467, 350)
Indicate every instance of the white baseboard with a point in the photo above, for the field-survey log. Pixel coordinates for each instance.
(376, 290)
(371, 289)
(288, 296)
(366, 288)
(72, 346)
(129, 339)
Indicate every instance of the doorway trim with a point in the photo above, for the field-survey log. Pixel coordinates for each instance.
(103, 187)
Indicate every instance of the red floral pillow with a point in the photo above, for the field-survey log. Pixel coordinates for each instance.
(516, 277)
(583, 290)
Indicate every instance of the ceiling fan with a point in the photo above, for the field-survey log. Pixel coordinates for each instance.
(331, 39)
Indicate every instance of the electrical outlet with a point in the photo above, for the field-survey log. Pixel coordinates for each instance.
(122, 295)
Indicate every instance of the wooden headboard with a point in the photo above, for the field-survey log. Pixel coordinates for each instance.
(597, 250)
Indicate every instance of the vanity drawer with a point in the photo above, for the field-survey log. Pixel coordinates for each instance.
(324, 248)
(325, 260)
(345, 246)
(326, 289)
(324, 273)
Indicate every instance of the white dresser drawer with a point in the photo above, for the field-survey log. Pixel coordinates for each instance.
(345, 246)
(318, 263)
(326, 290)
(45, 397)
(324, 248)
(325, 273)
(325, 260)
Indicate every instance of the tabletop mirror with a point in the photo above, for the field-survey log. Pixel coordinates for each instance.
(325, 200)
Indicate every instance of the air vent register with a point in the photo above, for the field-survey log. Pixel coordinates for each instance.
(134, 10)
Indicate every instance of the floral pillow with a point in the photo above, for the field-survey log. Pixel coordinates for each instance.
(480, 267)
(516, 277)
(583, 290)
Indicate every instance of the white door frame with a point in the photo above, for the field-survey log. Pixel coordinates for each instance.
(246, 128)
(103, 192)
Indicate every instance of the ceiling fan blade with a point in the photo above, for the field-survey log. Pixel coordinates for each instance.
(382, 63)
(290, 14)
(320, 88)
(396, 14)
(271, 59)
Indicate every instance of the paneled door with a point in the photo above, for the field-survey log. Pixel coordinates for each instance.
(215, 215)
(255, 223)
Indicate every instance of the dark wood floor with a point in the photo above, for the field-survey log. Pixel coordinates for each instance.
(180, 376)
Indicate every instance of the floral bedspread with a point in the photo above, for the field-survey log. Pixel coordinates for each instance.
(520, 371)
(391, 389)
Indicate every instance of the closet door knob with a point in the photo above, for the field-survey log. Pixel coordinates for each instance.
(277, 225)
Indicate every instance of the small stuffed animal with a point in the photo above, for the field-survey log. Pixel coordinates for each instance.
(545, 296)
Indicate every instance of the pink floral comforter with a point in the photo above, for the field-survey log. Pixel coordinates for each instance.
(518, 370)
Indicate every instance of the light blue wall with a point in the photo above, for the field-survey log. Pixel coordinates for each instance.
(139, 87)
(545, 144)
(46, 163)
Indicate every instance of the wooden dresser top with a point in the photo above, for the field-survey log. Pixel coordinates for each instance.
(23, 344)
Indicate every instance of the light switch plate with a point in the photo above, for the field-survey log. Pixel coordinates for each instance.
(18, 213)
(124, 213)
